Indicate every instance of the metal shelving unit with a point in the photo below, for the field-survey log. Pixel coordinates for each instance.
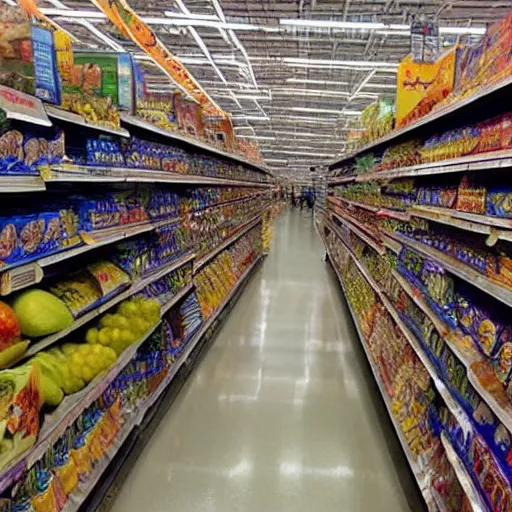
(459, 107)
(194, 143)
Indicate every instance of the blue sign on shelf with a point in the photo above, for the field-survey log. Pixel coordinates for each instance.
(45, 66)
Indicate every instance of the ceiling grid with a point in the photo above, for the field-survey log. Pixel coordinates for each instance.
(285, 69)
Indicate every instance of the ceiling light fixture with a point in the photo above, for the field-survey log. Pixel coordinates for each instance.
(251, 118)
(304, 119)
(298, 134)
(316, 82)
(371, 26)
(257, 137)
(325, 67)
(328, 62)
(316, 110)
(295, 153)
(98, 33)
(211, 17)
(308, 92)
(380, 86)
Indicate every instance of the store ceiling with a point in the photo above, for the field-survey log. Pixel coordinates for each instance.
(293, 73)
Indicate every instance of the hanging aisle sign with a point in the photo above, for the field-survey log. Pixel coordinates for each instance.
(130, 25)
(424, 41)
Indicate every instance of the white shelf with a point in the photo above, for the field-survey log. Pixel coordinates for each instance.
(356, 228)
(136, 287)
(29, 274)
(74, 173)
(439, 113)
(479, 162)
(459, 269)
(15, 184)
(470, 490)
(71, 117)
(198, 144)
(468, 355)
(498, 228)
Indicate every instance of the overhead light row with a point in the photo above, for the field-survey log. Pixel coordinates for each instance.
(195, 20)
(372, 26)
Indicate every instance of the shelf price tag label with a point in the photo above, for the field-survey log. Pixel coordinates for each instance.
(23, 107)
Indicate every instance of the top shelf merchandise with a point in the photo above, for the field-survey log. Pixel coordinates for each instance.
(420, 236)
(465, 84)
(91, 90)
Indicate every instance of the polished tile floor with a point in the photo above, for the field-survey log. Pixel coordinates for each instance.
(282, 415)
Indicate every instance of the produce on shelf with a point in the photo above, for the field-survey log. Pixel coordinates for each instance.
(131, 320)
(19, 411)
(11, 345)
(40, 313)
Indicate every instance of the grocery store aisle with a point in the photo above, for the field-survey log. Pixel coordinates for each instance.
(282, 415)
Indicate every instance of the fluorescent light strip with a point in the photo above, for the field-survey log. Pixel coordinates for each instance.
(276, 160)
(251, 118)
(317, 155)
(380, 86)
(370, 26)
(327, 111)
(193, 20)
(338, 67)
(173, 19)
(327, 62)
(304, 119)
(316, 82)
(308, 92)
(256, 137)
(299, 149)
(210, 17)
(249, 97)
(298, 134)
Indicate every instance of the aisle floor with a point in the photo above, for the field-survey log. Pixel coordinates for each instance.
(282, 414)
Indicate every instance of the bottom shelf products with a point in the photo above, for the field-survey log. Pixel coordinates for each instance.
(60, 479)
(405, 382)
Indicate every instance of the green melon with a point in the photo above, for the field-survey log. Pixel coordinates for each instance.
(40, 313)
